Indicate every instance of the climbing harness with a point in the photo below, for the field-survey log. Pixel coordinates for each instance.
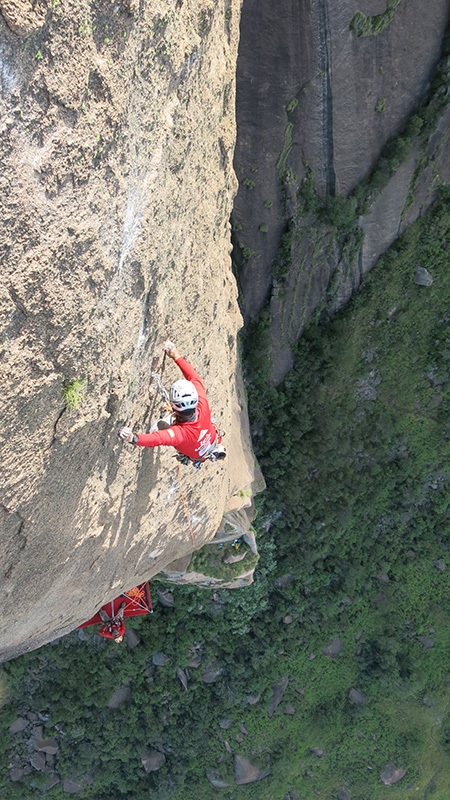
(215, 453)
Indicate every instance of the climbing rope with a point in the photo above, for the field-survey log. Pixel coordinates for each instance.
(165, 399)
(168, 407)
(158, 380)
(186, 510)
(137, 593)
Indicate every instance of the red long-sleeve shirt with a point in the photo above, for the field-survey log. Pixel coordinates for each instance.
(193, 439)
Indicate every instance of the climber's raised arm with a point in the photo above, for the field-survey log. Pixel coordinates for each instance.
(190, 429)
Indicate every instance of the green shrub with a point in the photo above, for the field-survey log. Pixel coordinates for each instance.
(363, 25)
(74, 392)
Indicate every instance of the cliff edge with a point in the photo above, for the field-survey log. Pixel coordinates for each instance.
(118, 130)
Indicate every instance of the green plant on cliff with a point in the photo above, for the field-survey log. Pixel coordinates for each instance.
(341, 212)
(74, 392)
(292, 105)
(248, 253)
(285, 150)
(364, 25)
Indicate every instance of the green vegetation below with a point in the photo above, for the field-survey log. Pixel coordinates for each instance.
(353, 534)
(211, 561)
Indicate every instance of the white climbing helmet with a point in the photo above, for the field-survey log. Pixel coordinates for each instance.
(183, 396)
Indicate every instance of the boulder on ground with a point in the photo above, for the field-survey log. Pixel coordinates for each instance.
(49, 746)
(120, 696)
(216, 782)
(37, 761)
(131, 638)
(278, 692)
(392, 774)
(182, 676)
(72, 787)
(166, 598)
(52, 781)
(334, 648)
(234, 559)
(38, 733)
(18, 725)
(252, 699)
(357, 697)
(246, 772)
(159, 659)
(153, 760)
(16, 773)
(212, 675)
(195, 661)
(422, 277)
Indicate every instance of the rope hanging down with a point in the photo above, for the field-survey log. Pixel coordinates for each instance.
(186, 510)
(167, 406)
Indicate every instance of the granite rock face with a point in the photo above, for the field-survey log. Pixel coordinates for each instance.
(117, 136)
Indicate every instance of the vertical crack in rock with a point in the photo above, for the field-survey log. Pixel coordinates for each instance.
(326, 98)
(13, 540)
(55, 426)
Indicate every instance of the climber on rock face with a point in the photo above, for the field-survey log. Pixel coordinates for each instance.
(189, 429)
(113, 628)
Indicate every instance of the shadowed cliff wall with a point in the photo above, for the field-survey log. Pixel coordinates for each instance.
(316, 104)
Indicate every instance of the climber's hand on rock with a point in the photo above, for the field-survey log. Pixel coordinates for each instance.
(126, 433)
(171, 350)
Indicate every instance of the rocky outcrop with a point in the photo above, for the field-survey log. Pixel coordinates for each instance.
(247, 772)
(118, 131)
(316, 104)
(220, 565)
